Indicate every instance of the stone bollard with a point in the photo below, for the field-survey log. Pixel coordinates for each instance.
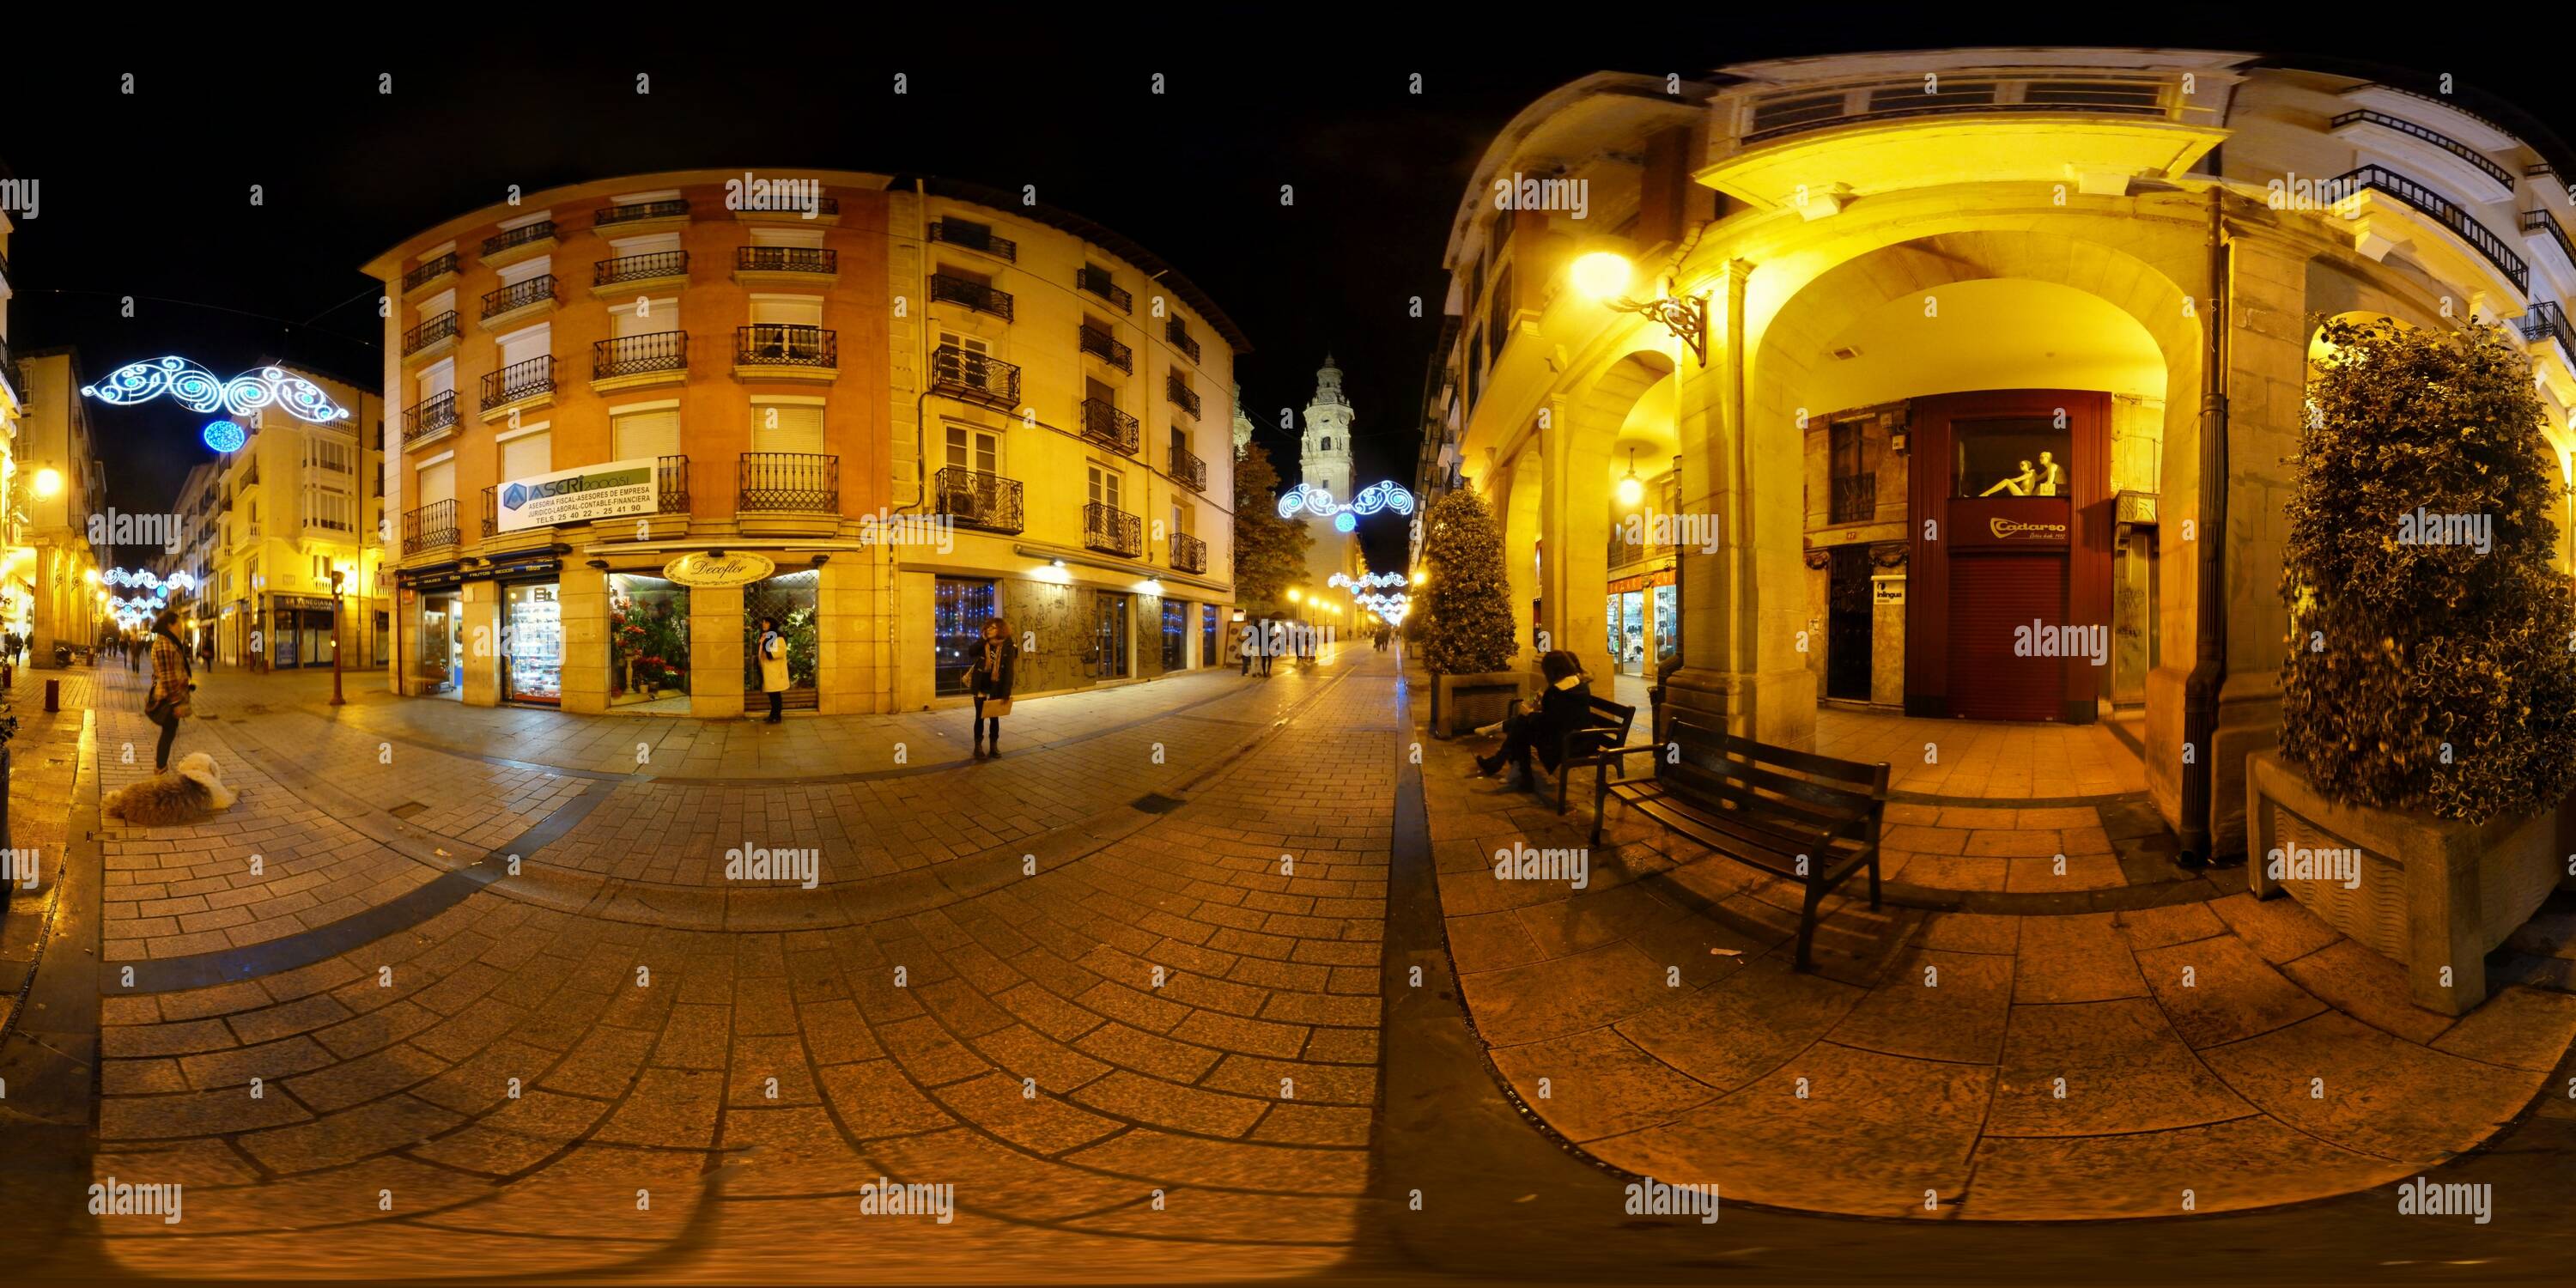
(53, 695)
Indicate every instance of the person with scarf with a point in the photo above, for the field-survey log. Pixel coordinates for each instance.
(171, 681)
(773, 667)
(989, 678)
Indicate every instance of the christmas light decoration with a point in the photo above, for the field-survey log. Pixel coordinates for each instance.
(197, 389)
(224, 436)
(1387, 495)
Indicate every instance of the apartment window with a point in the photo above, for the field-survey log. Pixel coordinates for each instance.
(972, 447)
(527, 456)
(1105, 487)
(330, 508)
(329, 454)
(1498, 325)
(786, 427)
(644, 432)
(1853, 472)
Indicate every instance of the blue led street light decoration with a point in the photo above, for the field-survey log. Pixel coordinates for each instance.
(197, 389)
(148, 580)
(224, 436)
(1373, 498)
(1375, 592)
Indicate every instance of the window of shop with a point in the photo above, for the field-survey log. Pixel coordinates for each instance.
(1176, 634)
(1208, 655)
(794, 599)
(2010, 456)
(384, 639)
(1109, 635)
(648, 643)
(532, 649)
(960, 607)
(438, 657)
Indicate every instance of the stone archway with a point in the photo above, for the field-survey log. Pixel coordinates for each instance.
(1573, 452)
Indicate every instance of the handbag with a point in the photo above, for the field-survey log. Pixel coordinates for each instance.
(996, 708)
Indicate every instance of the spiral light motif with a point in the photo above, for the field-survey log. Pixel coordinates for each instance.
(198, 389)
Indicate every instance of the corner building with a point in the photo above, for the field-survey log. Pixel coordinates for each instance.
(1955, 316)
(639, 414)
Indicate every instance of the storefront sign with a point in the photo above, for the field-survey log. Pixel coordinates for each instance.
(2023, 530)
(702, 569)
(611, 491)
(1887, 590)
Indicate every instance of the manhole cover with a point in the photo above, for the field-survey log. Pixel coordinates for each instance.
(407, 809)
(1158, 803)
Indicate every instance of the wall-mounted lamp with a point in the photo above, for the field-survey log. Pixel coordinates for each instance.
(1604, 275)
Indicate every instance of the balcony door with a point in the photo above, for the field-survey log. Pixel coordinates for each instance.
(527, 456)
(438, 378)
(437, 483)
(787, 327)
(787, 427)
(643, 435)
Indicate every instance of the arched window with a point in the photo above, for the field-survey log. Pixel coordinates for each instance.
(1328, 444)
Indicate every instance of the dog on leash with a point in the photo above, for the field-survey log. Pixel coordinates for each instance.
(189, 793)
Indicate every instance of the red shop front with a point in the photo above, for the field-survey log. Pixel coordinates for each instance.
(2008, 615)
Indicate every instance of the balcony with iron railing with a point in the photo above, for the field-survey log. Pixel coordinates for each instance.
(1177, 388)
(2547, 225)
(1109, 427)
(2458, 162)
(633, 272)
(1099, 283)
(974, 377)
(1102, 345)
(802, 264)
(432, 335)
(671, 485)
(975, 237)
(518, 243)
(1177, 333)
(974, 295)
(1855, 498)
(2442, 211)
(638, 216)
(780, 350)
(787, 483)
(1187, 469)
(1189, 554)
(518, 301)
(428, 271)
(431, 527)
(1111, 530)
(426, 420)
(782, 208)
(519, 385)
(2548, 321)
(633, 361)
(976, 499)
(9, 373)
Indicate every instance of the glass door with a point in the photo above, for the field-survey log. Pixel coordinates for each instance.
(1109, 636)
(533, 658)
(958, 612)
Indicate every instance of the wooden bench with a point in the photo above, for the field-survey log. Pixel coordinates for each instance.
(1811, 819)
(1606, 726)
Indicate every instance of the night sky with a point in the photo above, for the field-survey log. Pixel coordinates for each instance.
(148, 195)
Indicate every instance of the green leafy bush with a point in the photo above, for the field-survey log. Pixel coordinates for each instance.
(1466, 622)
(2432, 648)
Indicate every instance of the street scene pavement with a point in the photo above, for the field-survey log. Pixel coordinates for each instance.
(1207, 979)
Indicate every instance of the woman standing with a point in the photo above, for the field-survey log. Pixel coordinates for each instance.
(170, 685)
(997, 660)
(773, 667)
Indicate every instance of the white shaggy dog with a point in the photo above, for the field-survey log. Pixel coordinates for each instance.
(187, 794)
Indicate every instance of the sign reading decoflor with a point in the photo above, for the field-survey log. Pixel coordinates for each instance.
(703, 569)
(610, 491)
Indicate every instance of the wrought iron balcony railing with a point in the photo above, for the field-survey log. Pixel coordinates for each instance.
(1178, 389)
(2541, 221)
(1187, 469)
(979, 500)
(519, 380)
(1855, 498)
(2438, 139)
(974, 295)
(430, 269)
(1189, 554)
(430, 527)
(429, 332)
(1178, 334)
(2549, 319)
(975, 377)
(786, 259)
(780, 344)
(520, 236)
(1099, 283)
(1107, 348)
(428, 416)
(636, 355)
(2441, 210)
(518, 295)
(1112, 530)
(671, 484)
(491, 515)
(638, 212)
(958, 232)
(640, 268)
(788, 482)
(1109, 427)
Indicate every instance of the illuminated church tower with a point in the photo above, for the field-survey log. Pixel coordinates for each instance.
(1324, 461)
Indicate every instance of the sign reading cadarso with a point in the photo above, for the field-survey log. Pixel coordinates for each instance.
(703, 569)
(610, 491)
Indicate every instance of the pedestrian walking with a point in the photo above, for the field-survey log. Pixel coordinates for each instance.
(206, 650)
(1250, 646)
(171, 682)
(773, 667)
(997, 663)
(1272, 639)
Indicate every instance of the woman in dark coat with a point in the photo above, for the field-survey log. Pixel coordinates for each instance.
(1564, 706)
(989, 677)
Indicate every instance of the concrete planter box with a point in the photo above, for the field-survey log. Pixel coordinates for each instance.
(2433, 894)
(1465, 703)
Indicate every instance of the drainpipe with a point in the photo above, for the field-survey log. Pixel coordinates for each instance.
(2209, 667)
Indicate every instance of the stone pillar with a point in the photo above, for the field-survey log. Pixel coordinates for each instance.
(47, 624)
(916, 644)
(858, 642)
(1517, 503)
(715, 652)
(478, 615)
(1887, 623)
(1574, 575)
(582, 600)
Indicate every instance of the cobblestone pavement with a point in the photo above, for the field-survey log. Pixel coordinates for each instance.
(2036, 1064)
(1158, 1025)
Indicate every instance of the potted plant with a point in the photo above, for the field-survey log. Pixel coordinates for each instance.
(1463, 616)
(2428, 692)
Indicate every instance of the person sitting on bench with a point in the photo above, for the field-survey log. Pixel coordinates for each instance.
(1564, 706)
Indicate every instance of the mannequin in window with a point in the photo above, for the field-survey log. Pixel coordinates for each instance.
(2051, 475)
(2017, 484)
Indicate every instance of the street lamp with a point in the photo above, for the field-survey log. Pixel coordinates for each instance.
(1604, 275)
(338, 611)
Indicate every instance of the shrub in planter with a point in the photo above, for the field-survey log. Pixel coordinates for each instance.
(2432, 650)
(1466, 610)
